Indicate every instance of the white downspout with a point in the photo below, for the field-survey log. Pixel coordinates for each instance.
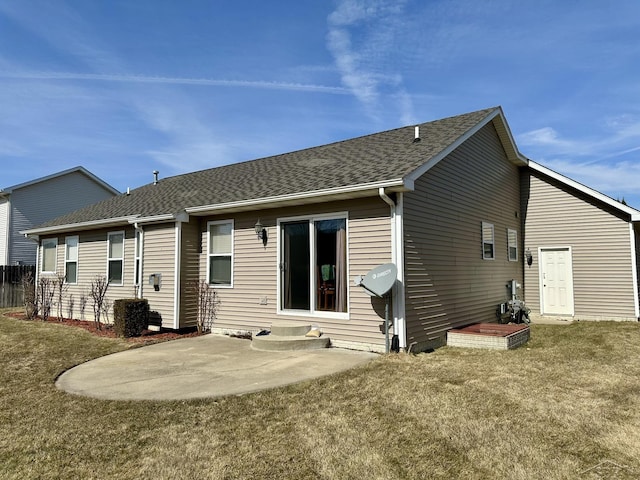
(140, 255)
(634, 270)
(176, 280)
(397, 257)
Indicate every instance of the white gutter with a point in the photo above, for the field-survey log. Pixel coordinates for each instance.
(165, 217)
(634, 270)
(362, 188)
(105, 222)
(397, 258)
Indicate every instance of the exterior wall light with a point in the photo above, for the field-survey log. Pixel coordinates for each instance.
(528, 257)
(261, 232)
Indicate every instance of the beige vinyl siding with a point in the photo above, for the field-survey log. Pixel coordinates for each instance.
(191, 247)
(159, 253)
(447, 282)
(255, 273)
(92, 262)
(601, 248)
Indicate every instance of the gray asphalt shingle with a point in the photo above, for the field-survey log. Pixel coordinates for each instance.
(378, 157)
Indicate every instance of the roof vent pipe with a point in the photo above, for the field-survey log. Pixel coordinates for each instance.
(416, 137)
(155, 177)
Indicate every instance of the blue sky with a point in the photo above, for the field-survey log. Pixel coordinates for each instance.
(127, 87)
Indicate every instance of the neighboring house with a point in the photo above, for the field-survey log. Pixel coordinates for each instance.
(32, 203)
(583, 246)
(440, 200)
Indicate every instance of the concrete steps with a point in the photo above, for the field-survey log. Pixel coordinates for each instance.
(289, 336)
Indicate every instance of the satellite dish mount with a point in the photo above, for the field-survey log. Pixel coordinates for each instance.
(378, 283)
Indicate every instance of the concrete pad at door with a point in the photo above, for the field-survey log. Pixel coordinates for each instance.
(199, 367)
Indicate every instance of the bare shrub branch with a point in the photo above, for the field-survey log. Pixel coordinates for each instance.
(29, 292)
(70, 305)
(99, 288)
(61, 287)
(83, 304)
(208, 302)
(45, 294)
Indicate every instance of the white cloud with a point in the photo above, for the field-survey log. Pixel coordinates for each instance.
(613, 179)
(131, 78)
(360, 39)
(545, 137)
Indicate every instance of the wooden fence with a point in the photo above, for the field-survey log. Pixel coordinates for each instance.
(11, 294)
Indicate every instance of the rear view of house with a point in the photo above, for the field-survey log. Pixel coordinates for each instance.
(282, 238)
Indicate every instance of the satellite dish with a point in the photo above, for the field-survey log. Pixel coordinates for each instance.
(380, 280)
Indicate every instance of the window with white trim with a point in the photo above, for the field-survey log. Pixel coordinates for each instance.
(71, 259)
(49, 255)
(220, 253)
(115, 257)
(488, 241)
(512, 244)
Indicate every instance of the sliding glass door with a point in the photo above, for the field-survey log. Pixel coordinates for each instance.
(313, 264)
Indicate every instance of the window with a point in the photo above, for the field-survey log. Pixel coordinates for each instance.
(49, 255)
(220, 253)
(488, 244)
(512, 244)
(115, 257)
(313, 264)
(71, 260)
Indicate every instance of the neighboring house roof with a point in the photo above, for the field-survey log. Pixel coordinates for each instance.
(8, 190)
(347, 169)
(625, 209)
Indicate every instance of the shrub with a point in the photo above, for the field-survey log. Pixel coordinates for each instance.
(130, 316)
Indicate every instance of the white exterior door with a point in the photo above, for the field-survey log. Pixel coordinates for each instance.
(556, 281)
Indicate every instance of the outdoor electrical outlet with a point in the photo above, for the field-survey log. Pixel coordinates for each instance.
(263, 300)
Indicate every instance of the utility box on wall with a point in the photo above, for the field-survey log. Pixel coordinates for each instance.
(155, 279)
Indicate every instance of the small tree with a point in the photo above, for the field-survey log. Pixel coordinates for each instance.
(70, 305)
(45, 294)
(83, 304)
(60, 287)
(29, 293)
(99, 288)
(207, 301)
(106, 308)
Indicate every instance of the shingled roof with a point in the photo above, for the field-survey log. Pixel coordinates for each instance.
(381, 159)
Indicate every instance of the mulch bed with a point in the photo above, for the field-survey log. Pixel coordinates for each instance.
(147, 337)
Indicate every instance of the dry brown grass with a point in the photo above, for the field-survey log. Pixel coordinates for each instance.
(564, 406)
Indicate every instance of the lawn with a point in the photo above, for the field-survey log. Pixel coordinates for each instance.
(566, 405)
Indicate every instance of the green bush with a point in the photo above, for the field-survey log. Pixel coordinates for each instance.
(130, 316)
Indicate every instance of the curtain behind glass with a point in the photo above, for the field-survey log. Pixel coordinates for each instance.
(341, 268)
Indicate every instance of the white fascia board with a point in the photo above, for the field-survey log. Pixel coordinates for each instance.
(167, 217)
(317, 195)
(105, 222)
(632, 212)
(433, 161)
